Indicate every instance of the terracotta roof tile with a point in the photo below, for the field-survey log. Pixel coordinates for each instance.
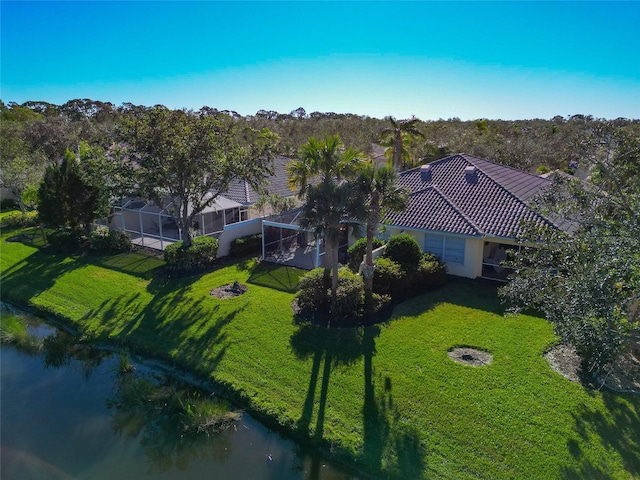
(490, 199)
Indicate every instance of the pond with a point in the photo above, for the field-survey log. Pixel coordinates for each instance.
(64, 415)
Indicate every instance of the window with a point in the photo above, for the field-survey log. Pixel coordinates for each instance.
(434, 244)
(454, 249)
(447, 249)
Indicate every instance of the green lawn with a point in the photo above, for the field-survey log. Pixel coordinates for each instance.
(386, 398)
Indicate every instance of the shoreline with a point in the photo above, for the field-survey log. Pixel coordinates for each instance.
(192, 378)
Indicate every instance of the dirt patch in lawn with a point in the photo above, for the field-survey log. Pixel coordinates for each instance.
(230, 290)
(622, 376)
(470, 356)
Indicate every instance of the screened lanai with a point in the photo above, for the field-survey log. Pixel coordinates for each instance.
(152, 226)
(285, 242)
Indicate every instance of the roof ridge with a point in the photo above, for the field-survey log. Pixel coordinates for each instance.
(494, 181)
(470, 158)
(464, 216)
(246, 190)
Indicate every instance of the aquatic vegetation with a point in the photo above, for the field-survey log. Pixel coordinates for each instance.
(13, 330)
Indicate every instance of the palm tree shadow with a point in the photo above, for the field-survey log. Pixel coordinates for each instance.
(329, 347)
(384, 436)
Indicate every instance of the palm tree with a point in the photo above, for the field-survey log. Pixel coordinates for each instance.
(323, 160)
(396, 136)
(331, 199)
(383, 193)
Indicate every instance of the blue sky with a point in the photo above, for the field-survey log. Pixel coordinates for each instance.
(510, 60)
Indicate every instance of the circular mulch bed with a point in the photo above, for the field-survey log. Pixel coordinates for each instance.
(470, 356)
(229, 291)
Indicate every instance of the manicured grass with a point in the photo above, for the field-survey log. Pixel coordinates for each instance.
(386, 398)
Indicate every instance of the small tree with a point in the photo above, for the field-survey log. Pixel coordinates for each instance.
(66, 198)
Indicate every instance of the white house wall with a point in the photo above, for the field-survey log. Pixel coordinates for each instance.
(237, 230)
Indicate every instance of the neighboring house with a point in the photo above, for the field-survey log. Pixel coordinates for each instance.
(155, 226)
(241, 192)
(467, 211)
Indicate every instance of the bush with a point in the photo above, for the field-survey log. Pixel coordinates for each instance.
(63, 240)
(201, 254)
(357, 251)
(17, 219)
(313, 294)
(102, 239)
(250, 245)
(391, 279)
(380, 302)
(404, 249)
(542, 169)
(349, 296)
(429, 274)
(388, 277)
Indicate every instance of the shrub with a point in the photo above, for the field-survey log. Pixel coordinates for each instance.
(17, 219)
(380, 302)
(349, 296)
(201, 254)
(429, 274)
(388, 277)
(313, 295)
(249, 245)
(404, 249)
(391, 279)
(542, 169)
(63, 240)
(102, 239)
(357, 251)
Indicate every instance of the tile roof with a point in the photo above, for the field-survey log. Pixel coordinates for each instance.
(241, 192)
(467, 195)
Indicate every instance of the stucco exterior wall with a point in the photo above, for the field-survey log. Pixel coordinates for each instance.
(237, 230)
(472, 266)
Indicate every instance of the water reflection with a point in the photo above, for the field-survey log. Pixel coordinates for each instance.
(176, 425)
(68, 412)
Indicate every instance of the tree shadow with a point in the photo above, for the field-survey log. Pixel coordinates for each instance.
(467, 293)
(137, 264)
(163, 328)
(278, 277)
(617, 430)
(329, 348)
(389, 445)
(34, 275)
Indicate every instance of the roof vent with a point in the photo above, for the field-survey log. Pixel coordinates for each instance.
(425, 172)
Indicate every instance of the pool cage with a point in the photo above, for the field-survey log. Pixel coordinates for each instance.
(285, 242)
(155, 227)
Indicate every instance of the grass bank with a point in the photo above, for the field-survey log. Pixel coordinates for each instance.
(386, 398)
